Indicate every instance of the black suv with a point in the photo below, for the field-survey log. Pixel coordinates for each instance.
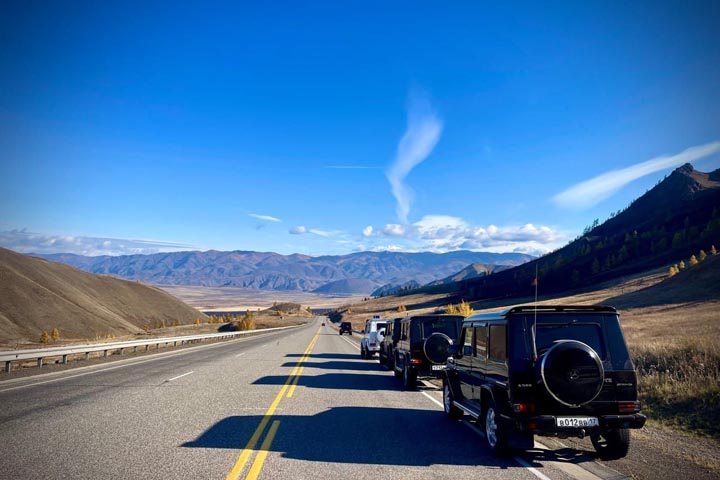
(423, 345)
(345, 327)
(387, 344)
(548, 370)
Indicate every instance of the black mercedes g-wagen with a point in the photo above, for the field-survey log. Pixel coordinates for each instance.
(548, 370)
(387, 344)
(345, 327)
(422, 348)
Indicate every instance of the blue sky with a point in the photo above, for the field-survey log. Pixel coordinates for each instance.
(333, 127)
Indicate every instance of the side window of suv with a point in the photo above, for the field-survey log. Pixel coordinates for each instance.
(481, 341)
(468, 342)
(498, 344)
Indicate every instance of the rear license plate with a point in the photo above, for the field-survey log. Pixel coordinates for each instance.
(438, 367)
(576, 422)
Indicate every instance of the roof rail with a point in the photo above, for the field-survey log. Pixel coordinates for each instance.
(563, 308)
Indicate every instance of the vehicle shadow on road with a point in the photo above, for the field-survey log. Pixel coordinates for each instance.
(339, 365)
(349, 435)
(335, 356)
(337, 381)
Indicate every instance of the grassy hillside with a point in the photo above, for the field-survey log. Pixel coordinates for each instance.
(672, 221)
(37, 295)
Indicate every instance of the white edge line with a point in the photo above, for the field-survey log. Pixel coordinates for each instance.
(519, 460)
(352, 344)
(532, 470)
(180, 376)
(130, 361)
(240, 354)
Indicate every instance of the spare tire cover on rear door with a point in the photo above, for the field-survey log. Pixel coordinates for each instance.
(436, 348)
(572, 373)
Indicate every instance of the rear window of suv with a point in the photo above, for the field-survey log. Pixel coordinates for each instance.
(445, 325)
(600, 331)
(589, 333)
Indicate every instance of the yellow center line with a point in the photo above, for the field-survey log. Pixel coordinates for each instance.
(250, 446)
(291, 390)
(262, 454)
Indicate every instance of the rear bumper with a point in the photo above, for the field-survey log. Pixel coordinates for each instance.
(546, 424)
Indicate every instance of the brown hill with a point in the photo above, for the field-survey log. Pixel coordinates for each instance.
(37, 295)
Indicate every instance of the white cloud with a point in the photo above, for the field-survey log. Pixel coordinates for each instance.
(442, 233)
(23, 241)
(422, 134)
(265, 217)
(591, 192)
(302, 230)
(298, 230)
(367, 231)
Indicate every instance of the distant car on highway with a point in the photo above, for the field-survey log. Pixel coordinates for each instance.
(373, 334)
(345, 327)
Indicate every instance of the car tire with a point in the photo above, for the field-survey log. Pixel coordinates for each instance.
(613, 444)
(495, 434)
(381, 358)
(409, 377)
(362, 352)
(452, 412)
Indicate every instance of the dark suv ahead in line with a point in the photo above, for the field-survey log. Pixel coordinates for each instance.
(345, 327)
(387, 344)
(549, 370)
(423, 345)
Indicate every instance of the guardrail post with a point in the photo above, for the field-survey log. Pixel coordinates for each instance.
(120, 352)
(147, 347)
(8, 366)
(64, 360)
(40, 363)
(135, 348)
(105, 353)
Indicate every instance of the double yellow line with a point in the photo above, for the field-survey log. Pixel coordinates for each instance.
(249, 449)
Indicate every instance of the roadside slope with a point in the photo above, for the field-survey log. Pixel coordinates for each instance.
(37, 295)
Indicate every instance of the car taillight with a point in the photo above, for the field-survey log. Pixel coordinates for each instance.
(373, 344)
(416, 361)
(628, 407)
(523, 407)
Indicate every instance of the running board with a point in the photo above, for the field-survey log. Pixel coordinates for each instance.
(467, 410)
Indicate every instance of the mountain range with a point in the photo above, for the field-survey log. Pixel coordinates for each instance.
(356, 273)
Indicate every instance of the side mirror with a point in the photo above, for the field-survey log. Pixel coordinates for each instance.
(453, 350)
(467, 350)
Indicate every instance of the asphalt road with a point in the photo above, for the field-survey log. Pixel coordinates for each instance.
(297, 404)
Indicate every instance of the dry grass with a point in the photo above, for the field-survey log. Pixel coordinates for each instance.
(680, 383)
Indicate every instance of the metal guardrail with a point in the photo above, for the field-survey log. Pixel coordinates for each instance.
(9, 356)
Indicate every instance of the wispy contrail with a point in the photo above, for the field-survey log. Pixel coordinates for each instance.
(422, 134)
(591, 192)
(265, 217)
